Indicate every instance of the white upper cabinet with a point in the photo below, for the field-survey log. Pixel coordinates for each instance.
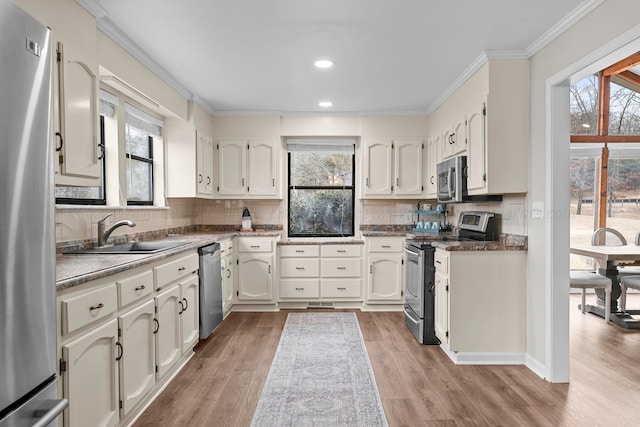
(247, 168)
(378, 166)
(490, 116)
(476, 162)
(434, 156)
(393, 168)
(77, 125)
(454, 140)
(204, 164)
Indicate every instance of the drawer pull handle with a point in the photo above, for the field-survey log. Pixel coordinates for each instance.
(386, 246)
(228, 273)
(438, 262)
(300, 251)
(182, 268)
(341, 289)
(157, 326)
(121, 351)
(299, 289)
(341, 251)
(96, 307)
(255, 246)
(299, 268)
(141, 287)
(342, 268)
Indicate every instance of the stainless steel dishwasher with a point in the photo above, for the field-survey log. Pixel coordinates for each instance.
(210, 289)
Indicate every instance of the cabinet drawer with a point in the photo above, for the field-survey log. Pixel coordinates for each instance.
(226, 247)
(340, 288)
(347, 267)
(441, 262)
(305, 288)
(299, 267)
(385, 244)
(341, 250)
(134, 288)
(299, 251)
(173, 270)
(88, 307)
(255, 245)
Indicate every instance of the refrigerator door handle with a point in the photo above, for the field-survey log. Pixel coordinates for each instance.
(49, 411)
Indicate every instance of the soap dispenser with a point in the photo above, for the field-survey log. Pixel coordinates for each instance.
(246, 220)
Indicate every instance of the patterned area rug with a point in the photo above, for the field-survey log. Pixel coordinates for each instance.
(320, 376)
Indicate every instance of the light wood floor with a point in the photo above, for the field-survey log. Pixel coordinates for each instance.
(419, 385)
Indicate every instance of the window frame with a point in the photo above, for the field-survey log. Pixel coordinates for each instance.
(149, 160)
(351, 187)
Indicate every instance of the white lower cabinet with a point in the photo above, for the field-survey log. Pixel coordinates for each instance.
(122, 336)
(255, 270)
(137, 359)
(480, 305)
(168, 342)
(90, 378)
(385, 275)
(320, 273)
(227, 272)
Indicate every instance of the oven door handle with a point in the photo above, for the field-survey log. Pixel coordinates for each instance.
(410, 315)
(411, 252)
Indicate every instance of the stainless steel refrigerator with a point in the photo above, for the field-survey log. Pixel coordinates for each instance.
(28, 379)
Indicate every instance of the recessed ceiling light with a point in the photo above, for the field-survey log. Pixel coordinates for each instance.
(323, 63)
(325, 104)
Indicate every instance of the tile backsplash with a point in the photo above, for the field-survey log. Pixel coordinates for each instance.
(80, 223)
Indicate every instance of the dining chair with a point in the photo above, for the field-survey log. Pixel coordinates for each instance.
(607, 236)
(584, 280)
(628, 282)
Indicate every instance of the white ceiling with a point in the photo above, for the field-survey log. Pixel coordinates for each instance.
(391, 56)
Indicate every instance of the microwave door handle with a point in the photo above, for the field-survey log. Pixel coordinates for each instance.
(449, 182)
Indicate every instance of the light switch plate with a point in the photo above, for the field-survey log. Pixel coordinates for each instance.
(538, 210)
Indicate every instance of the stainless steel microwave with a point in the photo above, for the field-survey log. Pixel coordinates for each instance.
(452, 179)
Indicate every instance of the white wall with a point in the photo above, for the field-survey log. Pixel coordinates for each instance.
(601, 27)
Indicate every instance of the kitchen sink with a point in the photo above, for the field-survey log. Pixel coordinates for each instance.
(132, 248)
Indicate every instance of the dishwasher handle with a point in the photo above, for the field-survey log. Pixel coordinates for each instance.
(209, 249)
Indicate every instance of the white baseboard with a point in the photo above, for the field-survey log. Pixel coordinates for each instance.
(535, 366)
(481, 358)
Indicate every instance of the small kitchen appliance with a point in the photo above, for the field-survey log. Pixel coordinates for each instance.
(246, 220)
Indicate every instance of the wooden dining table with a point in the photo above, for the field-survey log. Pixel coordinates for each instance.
(608, 259)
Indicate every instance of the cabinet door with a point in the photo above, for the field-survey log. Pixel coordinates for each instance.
(204, 157)
(408, 166)
(138, 362)
(232, 167)
(378, 167)
(432, 160)
(255, 281)
(455, 139)
(262, 168)
(77, 139)
(91, 378)
(168, 343)
(476, 140)
(385, 278)
(441, 315)
(189, 314)
(227, 284)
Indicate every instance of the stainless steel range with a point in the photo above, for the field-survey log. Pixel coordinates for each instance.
(420, 270)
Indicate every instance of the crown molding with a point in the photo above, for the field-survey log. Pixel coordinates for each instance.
(466, 74)
(563, 25)
(507, 55)
(93, 8)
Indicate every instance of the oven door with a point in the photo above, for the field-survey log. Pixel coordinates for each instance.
(414, 280)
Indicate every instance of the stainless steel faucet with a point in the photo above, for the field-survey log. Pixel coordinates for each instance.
(104, 233)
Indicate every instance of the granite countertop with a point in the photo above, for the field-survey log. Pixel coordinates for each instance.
(453, 246)
(75, 269)
(321, 241)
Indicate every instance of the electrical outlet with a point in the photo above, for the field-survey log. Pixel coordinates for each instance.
(538, 210)
(409, 218)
